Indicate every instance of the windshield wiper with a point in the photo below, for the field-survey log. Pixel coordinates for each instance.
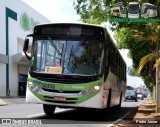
(73, 51)
(55, 47)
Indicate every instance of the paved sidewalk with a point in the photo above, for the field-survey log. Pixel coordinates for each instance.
(2, 102)
(6, 100)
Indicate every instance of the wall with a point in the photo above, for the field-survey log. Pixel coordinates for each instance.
(16, 10)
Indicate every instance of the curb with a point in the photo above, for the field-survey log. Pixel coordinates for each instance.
(118, 120)
(6, 97)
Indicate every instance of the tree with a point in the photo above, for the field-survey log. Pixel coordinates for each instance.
(140, 40)
(152, 37)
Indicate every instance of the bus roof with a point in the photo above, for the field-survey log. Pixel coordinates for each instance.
(132, 3)
(148, 4)
(70, 24)
(119, 4)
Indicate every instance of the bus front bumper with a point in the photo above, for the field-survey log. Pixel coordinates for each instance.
(93, 102)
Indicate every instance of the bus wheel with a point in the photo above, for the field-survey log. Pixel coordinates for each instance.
(119, 105)
(48, 109)
(109, 99)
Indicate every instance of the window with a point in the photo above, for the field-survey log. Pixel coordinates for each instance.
(117, 10)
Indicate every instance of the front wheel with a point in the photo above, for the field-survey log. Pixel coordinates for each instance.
(48, 109)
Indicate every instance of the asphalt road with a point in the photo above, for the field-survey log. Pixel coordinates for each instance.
(17, 108)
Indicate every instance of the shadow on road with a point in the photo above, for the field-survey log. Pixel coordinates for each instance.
(91, 115)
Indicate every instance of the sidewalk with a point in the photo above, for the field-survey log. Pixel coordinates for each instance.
(144, 116)
(2, 103)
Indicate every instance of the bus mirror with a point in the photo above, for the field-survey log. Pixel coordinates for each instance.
(25, 46)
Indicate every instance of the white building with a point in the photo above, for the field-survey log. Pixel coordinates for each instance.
(17, 20)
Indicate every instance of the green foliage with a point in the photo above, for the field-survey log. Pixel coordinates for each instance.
(131, 71)
(122, 41)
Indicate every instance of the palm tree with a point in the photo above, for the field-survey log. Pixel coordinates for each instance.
(152, 37)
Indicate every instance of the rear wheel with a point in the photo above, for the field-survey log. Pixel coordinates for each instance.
(109, 99)
(119, 105)
(48, 109)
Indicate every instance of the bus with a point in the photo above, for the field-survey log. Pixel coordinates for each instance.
(74, 65)
(118, 10)
(148, 10)
(133, 10)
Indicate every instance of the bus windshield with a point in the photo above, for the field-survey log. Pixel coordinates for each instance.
(144, 9)
(133, 8)
(123, 10)
(67, 56)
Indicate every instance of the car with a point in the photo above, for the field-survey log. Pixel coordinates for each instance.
(140, 95)
(145, 92)
(131, 95)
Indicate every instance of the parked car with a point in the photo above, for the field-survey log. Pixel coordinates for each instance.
(130, 95)
(145, 92)
(140, 94)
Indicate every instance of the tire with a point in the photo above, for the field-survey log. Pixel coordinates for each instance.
(109, 99)
(119, 105)
(49, 109)
(105, 110)
(135, 100)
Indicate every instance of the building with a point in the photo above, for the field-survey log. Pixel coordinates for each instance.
(17, 19)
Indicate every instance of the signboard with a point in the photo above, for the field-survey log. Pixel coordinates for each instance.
(53, 70)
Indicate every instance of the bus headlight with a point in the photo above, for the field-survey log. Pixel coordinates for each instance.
(91, 91)
(33, 87)
(29, 84)
(97, 87)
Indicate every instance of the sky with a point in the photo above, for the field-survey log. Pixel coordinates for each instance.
(55, 10)
(63, 11)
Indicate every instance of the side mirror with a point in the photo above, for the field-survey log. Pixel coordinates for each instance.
(25, 46)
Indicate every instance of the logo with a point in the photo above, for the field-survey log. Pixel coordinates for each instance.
(61, 91)
(6, 121)
(134, 12)
(27, 23)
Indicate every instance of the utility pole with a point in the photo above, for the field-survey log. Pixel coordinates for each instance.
(154, 93)
(158, 80)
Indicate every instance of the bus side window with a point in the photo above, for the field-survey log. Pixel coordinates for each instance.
(107, 57)
(110, 57)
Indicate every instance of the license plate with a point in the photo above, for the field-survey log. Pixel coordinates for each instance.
(59, 98)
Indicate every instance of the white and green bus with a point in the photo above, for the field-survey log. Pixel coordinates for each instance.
(74, 65)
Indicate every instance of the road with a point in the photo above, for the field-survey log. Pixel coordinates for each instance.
(17, 108)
